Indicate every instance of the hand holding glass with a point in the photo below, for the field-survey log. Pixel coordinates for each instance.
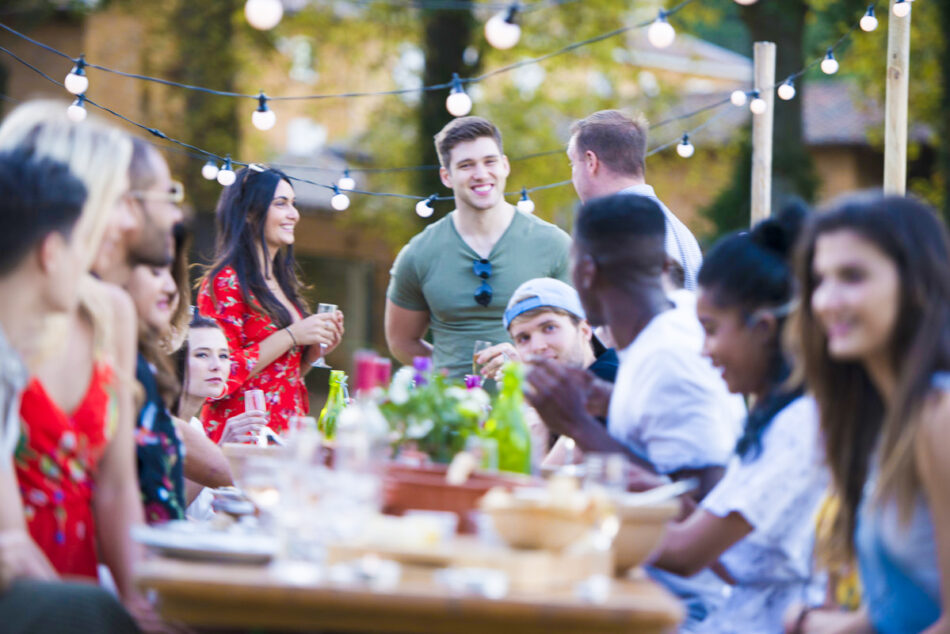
(479, 347)
(322, 309)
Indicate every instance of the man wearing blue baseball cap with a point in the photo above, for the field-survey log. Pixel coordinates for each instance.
(545, 319)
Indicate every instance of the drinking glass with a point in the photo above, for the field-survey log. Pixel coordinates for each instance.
(479, 346)
(321, 309)
(484, 450)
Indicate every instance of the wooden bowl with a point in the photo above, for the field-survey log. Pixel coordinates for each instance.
(641, 530)
(539, 528)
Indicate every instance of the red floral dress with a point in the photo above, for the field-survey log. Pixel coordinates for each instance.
(245, 327)
(56, 462)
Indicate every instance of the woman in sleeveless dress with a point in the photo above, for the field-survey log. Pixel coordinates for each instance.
(874, 333)
(76, 459)
(253, 292)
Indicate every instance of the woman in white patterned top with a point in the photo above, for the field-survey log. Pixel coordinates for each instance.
(755, 527)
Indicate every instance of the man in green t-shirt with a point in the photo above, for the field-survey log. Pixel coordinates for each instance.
(457, 275)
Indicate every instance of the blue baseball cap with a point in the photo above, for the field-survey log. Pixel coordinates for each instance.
(543, 292)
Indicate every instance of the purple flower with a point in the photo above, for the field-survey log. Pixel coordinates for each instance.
(423, 366)
(472, 381)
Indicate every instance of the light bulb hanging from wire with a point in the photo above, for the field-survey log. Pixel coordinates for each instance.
(263, 15)
(661, 33)
(340, 201)
(758, 105)
(901, 8)
(346, 181)
(76, 81)
(525, 205)
(458, 102)
(829, 65)
(226, 175)
(746, 3)
(502, 31)
(684, 148)
(77, 109)
(424, 207)
(209, 171)
(738, 97)
(869, 21)
(786, 91)
(263, 118)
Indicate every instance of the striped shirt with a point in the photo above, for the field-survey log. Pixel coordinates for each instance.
(681, 244)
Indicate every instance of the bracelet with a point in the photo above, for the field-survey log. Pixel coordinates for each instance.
(292, 338)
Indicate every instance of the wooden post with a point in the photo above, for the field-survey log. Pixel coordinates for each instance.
(895, 107)
(762, 124)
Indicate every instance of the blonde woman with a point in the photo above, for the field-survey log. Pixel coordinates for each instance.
(76, 460)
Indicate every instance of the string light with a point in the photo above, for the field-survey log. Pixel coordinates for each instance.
(758, 104)
(525, 205)
(661, 33)
(346, 181)
(869, 22)
(746, 3)
(77, 110)
(458, 102)
(501, 30)
(76, 81)
(209, 171)
(902, 8)
(424, 207)
(685, 148)
(226, 175)
(263, 118)
(738, 97)
(829, 65)
(786, 91)
(340, 201)
(263, 14)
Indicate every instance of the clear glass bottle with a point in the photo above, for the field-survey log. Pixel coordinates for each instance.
(363, 433)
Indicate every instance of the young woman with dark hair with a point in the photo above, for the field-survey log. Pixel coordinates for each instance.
(757, 522)
(874, 332)
(253, 292)
(204, 363)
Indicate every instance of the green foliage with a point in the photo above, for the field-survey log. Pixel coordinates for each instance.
(435, 415)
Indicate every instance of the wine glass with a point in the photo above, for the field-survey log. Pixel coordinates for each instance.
(479, 346)
(322, 309)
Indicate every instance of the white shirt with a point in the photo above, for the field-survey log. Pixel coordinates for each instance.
(669, 404)
(200, 507)
(778, 492)
(681, 244)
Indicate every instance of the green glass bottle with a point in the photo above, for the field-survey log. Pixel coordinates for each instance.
(336, 401)
(507, 423)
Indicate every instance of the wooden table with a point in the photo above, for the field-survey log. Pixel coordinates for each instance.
(238, 596)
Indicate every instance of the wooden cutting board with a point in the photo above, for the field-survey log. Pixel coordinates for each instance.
(527, 570)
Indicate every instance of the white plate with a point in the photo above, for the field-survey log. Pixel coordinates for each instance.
(191, 540)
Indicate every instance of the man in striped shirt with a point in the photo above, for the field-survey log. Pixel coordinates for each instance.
(607, 152)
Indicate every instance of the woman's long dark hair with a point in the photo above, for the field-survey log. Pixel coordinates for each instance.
(241, 217)
(855, 420)
(751, 271)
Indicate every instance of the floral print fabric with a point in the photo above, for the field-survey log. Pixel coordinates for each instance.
(159, 452)
(245, 326)
(56, 462)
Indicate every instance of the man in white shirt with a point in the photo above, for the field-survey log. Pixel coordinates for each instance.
(40, 265)
(670, 412)
(607, 152)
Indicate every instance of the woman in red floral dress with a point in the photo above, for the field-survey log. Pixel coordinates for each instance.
(253, 292)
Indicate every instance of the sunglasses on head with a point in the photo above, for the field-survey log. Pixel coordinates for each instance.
(483, 294)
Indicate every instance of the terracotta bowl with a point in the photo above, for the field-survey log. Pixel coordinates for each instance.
(424, 488)
(641, 530)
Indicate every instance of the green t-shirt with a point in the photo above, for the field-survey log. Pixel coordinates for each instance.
(434, 273)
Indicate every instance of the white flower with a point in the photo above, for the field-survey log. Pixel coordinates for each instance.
(419, 428)
(402, 381)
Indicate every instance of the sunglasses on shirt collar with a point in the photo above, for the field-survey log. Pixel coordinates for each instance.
(483, 294)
